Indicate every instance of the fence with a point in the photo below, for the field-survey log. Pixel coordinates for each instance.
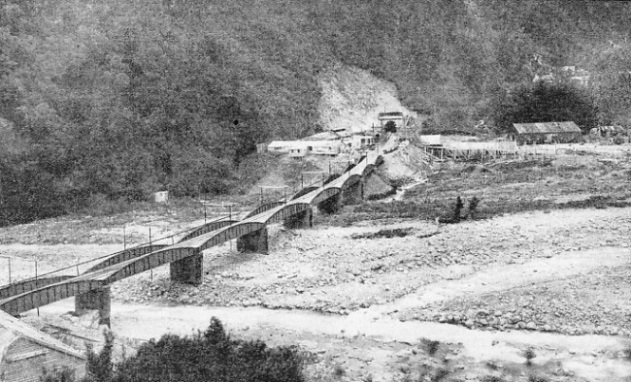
(14, 269)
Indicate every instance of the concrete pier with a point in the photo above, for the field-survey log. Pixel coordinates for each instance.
(253, 242)
(189, 270)
(97, 299)
(302, 219)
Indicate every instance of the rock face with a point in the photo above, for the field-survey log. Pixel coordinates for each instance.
(352, 99)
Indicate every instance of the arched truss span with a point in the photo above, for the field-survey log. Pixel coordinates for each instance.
(47, 295)
(208, 227)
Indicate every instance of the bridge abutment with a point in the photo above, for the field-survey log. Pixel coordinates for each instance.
(302, 219)
(253, 242)
(189, 270)
(97, 299)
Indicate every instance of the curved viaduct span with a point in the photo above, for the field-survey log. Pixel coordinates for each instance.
(91, 289)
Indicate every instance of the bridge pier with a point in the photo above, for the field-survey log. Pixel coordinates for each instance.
(97, 299)
(302, 219)
(189, 270)
(253, 242)
(354, 194)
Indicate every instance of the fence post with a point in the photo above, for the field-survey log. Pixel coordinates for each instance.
(36, 286)
(9, 259)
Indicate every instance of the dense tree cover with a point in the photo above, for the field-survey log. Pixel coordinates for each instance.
(210, 356)
(114, 99)
(545, 102)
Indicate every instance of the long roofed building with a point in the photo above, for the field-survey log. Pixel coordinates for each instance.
(544, 132)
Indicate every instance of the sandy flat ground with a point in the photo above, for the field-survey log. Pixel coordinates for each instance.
(360, 303)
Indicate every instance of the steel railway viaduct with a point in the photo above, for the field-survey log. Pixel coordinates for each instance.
(92, 288)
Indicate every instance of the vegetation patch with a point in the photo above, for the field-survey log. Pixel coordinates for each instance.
(209, 356)
(382, 195)
(384, 233)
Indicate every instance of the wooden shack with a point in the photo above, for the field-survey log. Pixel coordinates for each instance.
(544, 132)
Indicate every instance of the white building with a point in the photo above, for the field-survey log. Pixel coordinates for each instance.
(358, 142)
(298, 149)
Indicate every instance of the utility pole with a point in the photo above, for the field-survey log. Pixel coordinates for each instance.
(150, 244)
(36, 286)
(230, 220)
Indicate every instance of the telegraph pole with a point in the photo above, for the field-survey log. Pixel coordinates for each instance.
(36, 286)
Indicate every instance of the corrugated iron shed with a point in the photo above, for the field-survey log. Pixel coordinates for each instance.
(546, 128)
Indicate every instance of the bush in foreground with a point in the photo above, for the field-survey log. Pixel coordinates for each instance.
(211, 356)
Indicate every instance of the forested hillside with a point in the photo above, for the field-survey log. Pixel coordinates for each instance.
(114, 99)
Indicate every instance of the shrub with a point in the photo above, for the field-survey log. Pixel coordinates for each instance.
(339, 371)
(430, 346)
(64, 374)
(440, 375)
(492, 378)
(210, 356)
(529, 354)
(387, 233)
(457, 209)
(400, 182)
(99, 366)
(473, 204)
(383, 195)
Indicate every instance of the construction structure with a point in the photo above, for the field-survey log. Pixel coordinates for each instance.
(460, 147)
(25, 352)
(544, 132)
